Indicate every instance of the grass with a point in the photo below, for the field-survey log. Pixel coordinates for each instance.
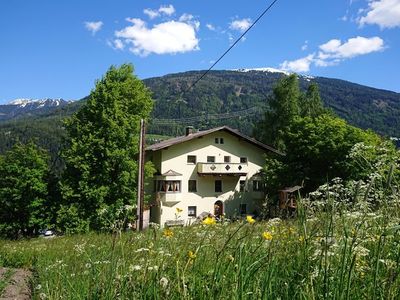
(325, 253)
(4, 279)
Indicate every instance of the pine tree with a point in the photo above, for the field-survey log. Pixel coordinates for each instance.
(102, 147)
(283, 108)
(311, 103)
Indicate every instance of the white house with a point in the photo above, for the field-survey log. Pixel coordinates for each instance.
(213, 171)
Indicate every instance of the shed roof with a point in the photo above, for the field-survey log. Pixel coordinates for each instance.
(185, 138)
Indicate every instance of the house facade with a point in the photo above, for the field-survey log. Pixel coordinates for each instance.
(207, 172)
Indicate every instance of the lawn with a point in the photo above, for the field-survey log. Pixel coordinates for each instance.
(325, 252)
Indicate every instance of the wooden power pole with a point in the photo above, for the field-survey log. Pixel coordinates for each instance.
(140, 189)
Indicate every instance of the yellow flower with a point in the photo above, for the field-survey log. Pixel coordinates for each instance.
(267, 235)
(209, 221)
(250, 220)
(191, 255)
(301, 239)
(179, 210)
(168, 233)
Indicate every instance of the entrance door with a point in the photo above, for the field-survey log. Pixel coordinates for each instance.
(218, 209)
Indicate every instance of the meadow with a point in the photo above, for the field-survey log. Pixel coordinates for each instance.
(332, 249)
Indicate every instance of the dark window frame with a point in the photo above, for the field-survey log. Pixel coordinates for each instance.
(195, 211)
(191, 159)
(218, 187)
(242, 185)
(243, 160)
(227, 159)
(211, 159)
(190, 187)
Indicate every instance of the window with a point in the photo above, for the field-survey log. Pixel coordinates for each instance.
(192, 211)
(191, 159)
(211, 159)
(243, 208)
(171, 186)
(218, 186)
(221, 140)
(242, 184)
(216, 140)
(227, 159)
(257, 185)
(192, 186)
(243, 160)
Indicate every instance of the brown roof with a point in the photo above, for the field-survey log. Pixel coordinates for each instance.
(291, 189)
(185, 138)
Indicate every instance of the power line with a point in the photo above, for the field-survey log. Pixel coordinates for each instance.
(230, 115)
(229, 49)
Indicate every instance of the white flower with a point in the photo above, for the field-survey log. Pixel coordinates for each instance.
(164, 282)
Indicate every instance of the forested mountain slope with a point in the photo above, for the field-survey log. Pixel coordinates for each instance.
(235, 98)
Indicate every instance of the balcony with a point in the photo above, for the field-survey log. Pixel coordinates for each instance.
(233, 169)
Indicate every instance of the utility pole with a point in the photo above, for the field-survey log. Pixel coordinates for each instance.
(140, 189)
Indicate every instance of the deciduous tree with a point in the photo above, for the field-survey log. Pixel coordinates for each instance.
(102, 147)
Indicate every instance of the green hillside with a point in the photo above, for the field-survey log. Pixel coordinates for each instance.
(232, 98)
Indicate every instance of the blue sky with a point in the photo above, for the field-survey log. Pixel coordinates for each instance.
(58, 49)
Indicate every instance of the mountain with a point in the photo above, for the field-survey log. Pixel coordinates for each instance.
(29, 107)
(236, 98)
(248, 90)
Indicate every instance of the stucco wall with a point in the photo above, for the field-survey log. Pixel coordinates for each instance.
(175, 158)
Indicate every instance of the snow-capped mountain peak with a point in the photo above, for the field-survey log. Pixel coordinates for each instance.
(267, 70)
(22, 102)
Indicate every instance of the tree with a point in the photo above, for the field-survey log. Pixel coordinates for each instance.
(102, 147)
(283, 108)
(311, 103)
(317, 150)
(24, 206)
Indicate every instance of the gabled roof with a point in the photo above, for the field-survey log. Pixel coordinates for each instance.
(171, 173)
(185, 138)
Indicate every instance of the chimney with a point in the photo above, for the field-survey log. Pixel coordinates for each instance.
(189, 130)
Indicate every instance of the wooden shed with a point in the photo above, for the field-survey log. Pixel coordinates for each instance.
(287, 197)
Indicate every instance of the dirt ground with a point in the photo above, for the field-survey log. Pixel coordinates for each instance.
(18, 285)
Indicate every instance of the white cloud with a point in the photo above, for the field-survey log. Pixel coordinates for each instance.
(240, 25)
(335, 51)
(188, 18)
(168, 37)
(353, 47)
(118, 44)
(384, 13)
(163, 10)
(211, 27)
(151, 13)
(167, 10)
(298, 65)
(93, 27)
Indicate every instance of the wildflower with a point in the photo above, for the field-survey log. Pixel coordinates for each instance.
(267, 235)
(142, 250)
(168, 233)
(88, 265)
(209, 221)
(250, 220)
(191, 255)
(231, 258)
(134, 268)
(178, 210)
(164, 282)
(301, 239)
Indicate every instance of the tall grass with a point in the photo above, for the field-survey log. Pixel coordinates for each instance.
(331, 250)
